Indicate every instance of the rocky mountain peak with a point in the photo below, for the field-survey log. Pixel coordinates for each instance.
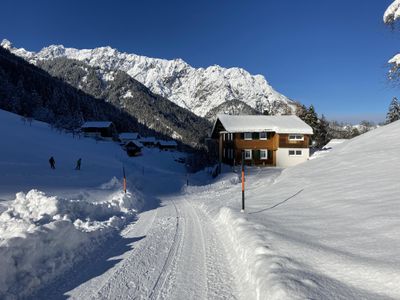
(196, 89)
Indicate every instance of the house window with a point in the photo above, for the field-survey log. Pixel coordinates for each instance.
(247, 154)
(248, 136)
(263, 154)
(296, 137)
(295, 152)
(263, 135)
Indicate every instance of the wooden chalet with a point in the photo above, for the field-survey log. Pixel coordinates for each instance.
(280, 141)
(125, 137)
(148, 141)
(133, 148)
(99, 129)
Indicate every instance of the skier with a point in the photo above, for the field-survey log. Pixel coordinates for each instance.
(78, 164)
(52, 162)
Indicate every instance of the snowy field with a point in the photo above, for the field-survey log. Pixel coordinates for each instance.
(326, 229)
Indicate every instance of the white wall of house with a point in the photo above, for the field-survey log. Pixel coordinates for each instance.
(284, 159)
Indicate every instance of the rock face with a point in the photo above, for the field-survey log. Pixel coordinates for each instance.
(232, 107)
(196, 89)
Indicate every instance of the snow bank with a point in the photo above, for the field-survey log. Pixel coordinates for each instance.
(265, 274)
(325, 229)
(42, 236)
(327, 148)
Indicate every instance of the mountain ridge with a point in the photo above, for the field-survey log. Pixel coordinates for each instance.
(32, 91)
(196, 89)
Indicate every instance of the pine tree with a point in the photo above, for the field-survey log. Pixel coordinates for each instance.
(394, 111)
(311, 117)
(319, 126)
(323, 135)
(301, 112)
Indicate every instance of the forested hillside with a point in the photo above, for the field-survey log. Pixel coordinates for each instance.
(30, 91)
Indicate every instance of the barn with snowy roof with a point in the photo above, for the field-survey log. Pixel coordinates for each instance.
(99, 129)
(280, 141)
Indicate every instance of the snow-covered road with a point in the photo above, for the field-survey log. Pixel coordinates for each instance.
(171, 252)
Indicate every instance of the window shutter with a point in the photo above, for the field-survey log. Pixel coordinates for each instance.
(256, 136)
(242, 135)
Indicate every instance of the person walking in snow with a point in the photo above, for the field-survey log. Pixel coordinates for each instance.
(78, 164)
(52, 163)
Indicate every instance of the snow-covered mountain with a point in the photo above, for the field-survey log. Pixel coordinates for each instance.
(197, 89)
(66, 92)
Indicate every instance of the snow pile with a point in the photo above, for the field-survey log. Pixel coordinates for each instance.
(41, 236)
(259, 266)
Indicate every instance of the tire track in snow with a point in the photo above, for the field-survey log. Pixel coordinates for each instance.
(175, 248)
(135, 277)
(200, 269)
(180, 256)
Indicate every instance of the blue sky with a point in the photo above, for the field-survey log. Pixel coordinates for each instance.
(328, 53)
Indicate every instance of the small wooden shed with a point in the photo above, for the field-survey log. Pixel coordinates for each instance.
(133, 148)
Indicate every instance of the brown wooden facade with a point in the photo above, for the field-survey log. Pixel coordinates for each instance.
(285, 142)
(231, 146)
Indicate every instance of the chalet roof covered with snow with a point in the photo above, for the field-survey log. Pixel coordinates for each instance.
(260, 123)
(134, 143)
(167, 143)
(129, 135)
(148, 139)
(97, 124)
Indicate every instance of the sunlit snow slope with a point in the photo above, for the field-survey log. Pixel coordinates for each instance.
(25, 151)
(52, 219)
(326, 229)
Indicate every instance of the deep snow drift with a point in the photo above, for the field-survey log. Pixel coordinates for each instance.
(326, 229)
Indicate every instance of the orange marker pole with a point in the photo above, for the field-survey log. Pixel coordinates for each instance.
(123, 170)
(242, 182)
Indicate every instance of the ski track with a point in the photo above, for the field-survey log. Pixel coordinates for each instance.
(176, 254)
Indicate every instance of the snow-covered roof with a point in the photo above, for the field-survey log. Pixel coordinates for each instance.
(168, 143)
(148, 139)
(128, 135)
(97, 124)
(260, 123)
(136, 143)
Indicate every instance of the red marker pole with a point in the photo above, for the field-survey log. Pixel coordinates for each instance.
(123, 171)
(242, 182)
